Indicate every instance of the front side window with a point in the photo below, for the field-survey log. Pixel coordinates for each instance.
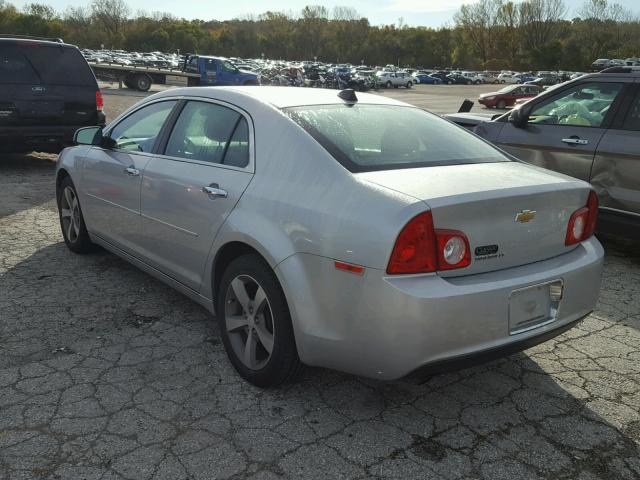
(384, 137)
(206, 132)
(228, 67)
(138, 131)
(585, 105)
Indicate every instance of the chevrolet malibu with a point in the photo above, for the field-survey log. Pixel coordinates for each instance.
(354, 233)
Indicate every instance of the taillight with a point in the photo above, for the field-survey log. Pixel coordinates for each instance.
(582, 223)
(99, 101)
(414, 251)
(420, 248)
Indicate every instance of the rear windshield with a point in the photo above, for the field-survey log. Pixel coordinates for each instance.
(37, 63)
(385, 137)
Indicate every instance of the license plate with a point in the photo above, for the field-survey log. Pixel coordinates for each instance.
(533, 306)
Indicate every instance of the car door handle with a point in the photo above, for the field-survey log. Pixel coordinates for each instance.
(214, 191)
(132, 171)
(575, 141)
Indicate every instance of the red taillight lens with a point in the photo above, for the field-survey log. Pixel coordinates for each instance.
(422, 249)
(453, 250)
(582, 223)
(592, 205)
(99, 101)
(414, 251)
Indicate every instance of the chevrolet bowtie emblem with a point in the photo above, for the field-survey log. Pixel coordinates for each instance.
(525, 216)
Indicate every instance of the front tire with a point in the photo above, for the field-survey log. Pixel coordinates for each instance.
(74, 230)
(389, 84)
(501, 105)
(255, 323)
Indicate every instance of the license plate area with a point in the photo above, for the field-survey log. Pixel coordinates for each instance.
(534, 306)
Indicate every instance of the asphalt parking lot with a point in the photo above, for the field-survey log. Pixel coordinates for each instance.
(106, 373)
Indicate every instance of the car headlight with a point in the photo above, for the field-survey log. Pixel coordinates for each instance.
(489, 98)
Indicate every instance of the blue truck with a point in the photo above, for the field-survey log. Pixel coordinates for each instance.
(197, 70)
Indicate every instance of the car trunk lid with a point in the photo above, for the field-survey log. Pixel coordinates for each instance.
(512, 213)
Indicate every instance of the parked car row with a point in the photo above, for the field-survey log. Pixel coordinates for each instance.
(121, 57)
(602, 63)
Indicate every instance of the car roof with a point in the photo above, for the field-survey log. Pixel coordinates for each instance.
(279, 97)
(33, 41)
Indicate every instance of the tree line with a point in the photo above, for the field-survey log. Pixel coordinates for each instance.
(488, 34)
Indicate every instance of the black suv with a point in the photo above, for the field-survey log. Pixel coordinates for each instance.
(47, 92)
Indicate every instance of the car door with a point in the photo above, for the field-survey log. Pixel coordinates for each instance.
(112, 175)
(564, 129)
(189, 190)
(227, 73)
(616, 168)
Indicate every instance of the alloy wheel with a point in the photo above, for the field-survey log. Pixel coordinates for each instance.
(70, 214)
(249, 322)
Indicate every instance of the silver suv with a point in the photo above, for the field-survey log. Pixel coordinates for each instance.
(588, 128)
(395, 79)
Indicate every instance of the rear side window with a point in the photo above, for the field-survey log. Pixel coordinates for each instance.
(384, 137)
(632, 121)
(44, 64)
(210, 133)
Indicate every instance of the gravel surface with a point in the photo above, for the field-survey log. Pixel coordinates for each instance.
(105, 373)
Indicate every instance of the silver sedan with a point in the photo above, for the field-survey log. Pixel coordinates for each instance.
(355, 233)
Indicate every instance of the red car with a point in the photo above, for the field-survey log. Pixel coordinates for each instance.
(507, 96)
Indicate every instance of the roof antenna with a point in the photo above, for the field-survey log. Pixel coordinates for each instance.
(348, 95)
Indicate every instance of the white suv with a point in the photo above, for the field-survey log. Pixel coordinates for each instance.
(508, 78)
(395, 79)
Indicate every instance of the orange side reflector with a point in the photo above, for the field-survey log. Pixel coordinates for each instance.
(347, 267)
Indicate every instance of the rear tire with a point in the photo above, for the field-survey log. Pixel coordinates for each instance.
(253, 316)
(74, 230)
(142, 82)
(389, 85)
(449, 82)
(409, 84)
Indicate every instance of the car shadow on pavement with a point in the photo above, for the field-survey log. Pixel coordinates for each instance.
(26, 180)
(620, 300)
(104, 369)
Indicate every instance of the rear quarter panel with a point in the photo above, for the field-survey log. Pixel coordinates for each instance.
(301, 200)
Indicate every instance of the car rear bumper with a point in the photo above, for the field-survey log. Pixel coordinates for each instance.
(44, 137)
(386, 327)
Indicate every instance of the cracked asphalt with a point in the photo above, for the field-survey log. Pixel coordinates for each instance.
(106, 373)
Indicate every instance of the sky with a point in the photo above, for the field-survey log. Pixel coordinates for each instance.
(431, 13)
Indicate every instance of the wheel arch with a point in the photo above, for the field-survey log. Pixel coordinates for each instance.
(223, 258)
(233, 241)
(61, 174)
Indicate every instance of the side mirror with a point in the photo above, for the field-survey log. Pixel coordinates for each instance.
(519, 117)
(88, 136)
